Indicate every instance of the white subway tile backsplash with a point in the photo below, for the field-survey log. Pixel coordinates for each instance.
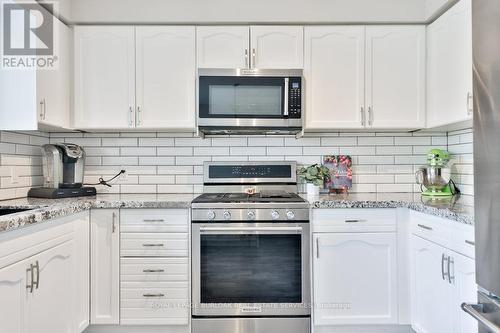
(173, 162)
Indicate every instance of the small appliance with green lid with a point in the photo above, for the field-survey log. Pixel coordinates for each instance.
(436, 175)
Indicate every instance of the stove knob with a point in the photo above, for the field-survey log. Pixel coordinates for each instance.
(251, 215)
(275, 215)
(226, 215)
(290, 215)
(211, 215)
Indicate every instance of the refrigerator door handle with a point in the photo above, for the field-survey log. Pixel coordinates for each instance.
(476, 311)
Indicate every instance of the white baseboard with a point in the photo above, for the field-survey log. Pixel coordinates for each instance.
(364, 329)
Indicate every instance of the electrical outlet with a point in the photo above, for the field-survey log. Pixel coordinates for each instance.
(14, 178)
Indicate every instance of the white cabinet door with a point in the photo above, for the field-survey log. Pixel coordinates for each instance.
(166, 77)
(53, 86)
(104, 266)
(449, 67)
(82, 272)
(395, 76)
(431, 304)
(334, 70)
(223, 47)
(277, 46)
(463, 272)
(50, 308)
(14, 297)
(355, 278)
(104, 77)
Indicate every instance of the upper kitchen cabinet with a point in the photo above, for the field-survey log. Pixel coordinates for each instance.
(395, 77)
(53, 86)
(135, 77)
(334, 71)
(223, 47)
(263, 47)
(365, 77)
(449, 67)
(277, 47)
(104, 77)
(38, 98)
(166, 77)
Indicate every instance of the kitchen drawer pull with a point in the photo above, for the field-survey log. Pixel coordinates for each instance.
(317, 248)
(153, 245)
(354, 221)
(423, 226)
(451, 265)
(153, 295)
(153, 220)
(114, 223)
(470, 242)
(153, 271)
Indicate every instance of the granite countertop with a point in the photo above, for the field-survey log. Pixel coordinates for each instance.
(42, 210)
(454, 208)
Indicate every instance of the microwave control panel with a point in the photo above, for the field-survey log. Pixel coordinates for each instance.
(294, 97)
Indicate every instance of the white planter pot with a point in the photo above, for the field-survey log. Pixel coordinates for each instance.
(312, 190)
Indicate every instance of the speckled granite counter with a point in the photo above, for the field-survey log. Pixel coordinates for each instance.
(450, 208)
(42, 210)
(45, 209)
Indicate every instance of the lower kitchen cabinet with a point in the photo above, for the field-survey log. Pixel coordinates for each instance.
(105, 266)
(442, 281)
(355, 278)
(40, 287)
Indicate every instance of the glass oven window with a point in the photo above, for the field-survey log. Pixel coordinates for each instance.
(251, 268)
(241, 97)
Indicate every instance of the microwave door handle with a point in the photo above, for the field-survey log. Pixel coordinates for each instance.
(287, 91)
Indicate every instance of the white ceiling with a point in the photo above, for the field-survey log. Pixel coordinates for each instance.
(250, 11)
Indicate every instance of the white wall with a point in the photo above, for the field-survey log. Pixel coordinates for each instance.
(244, 11)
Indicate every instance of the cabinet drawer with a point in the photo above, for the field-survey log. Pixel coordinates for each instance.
(154, 269)
(155, 312)
(463, 240)
(154, 244)
(354, 220)
(154, 220)
(154, 291)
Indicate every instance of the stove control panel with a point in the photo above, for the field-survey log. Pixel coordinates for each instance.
(298, 214)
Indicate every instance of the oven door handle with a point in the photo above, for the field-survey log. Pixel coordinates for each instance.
(251, 229)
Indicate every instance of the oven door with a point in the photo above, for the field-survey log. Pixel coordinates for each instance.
(259, 269)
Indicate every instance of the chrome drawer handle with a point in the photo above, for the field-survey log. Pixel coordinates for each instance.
(37, 282)
(30, 271)
(153, 271)
(153, 295)
(443, 259)
(354, 221)
(153, 220)
(470, 242)
(153, 245)
(424, 227)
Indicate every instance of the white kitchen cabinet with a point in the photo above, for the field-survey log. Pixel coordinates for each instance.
(449, 67)
(48, 307)
(275, 47)
(431, 296)
(104, 77)
(39, 99)
(104, 266)
(166, 77)
(264, 47)
(365, 77)
(395, 77)
(355, 278)
(334, 71)
(451, 278)
(13, 303)
(223, 47)
(82, 272)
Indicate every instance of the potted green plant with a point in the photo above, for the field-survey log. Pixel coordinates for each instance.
(315, 176)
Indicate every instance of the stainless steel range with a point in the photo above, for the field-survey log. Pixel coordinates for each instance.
(250, 250)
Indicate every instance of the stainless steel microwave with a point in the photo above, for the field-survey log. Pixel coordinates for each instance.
(250, 101)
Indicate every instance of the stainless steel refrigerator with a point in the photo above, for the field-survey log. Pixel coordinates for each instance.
(486, 69)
